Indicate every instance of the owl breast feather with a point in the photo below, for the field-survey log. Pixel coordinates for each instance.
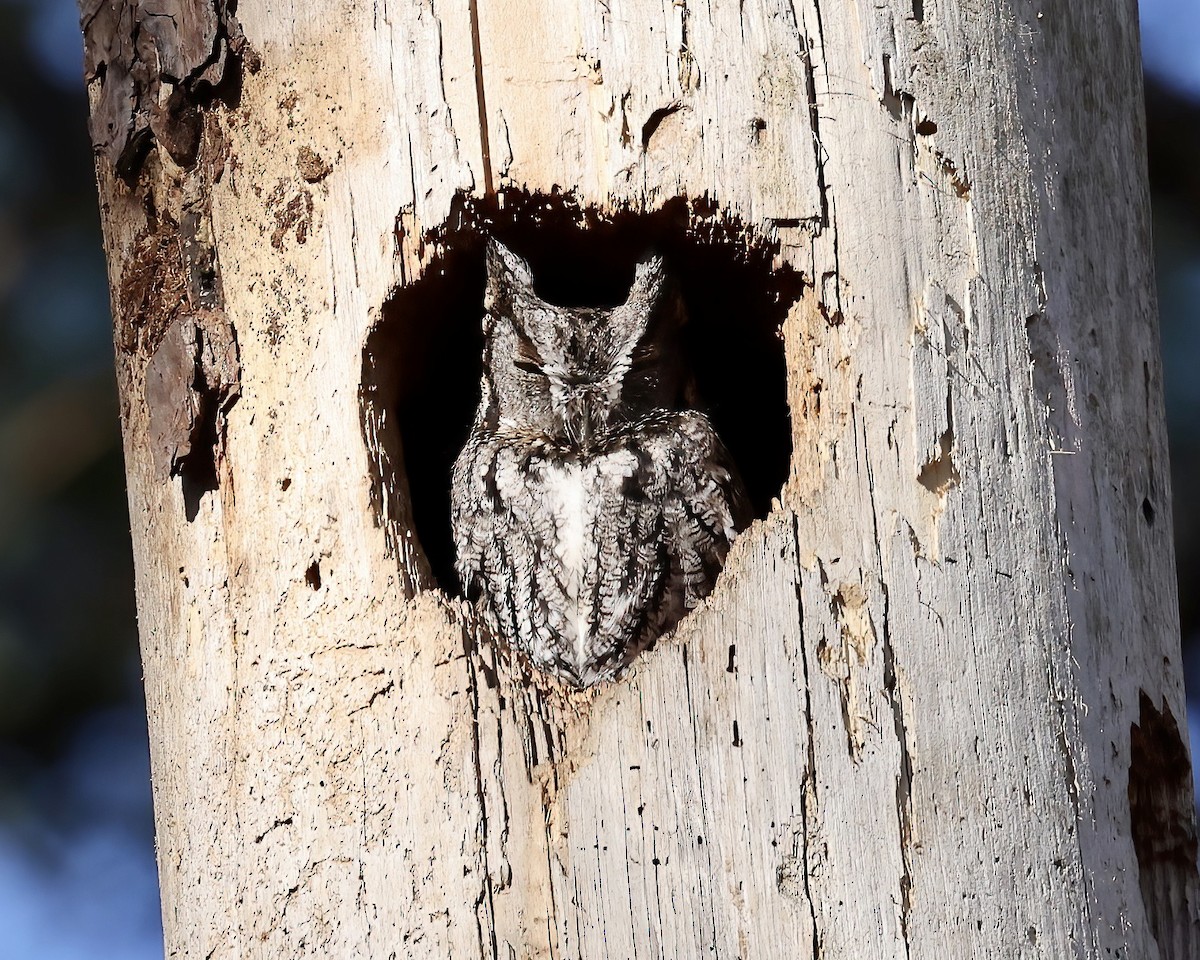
(582, 561)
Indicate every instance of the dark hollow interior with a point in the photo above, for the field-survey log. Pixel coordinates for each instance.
(422, 361)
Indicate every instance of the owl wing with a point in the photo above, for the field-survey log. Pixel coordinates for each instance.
(629, 570)
(473, 505)
(500, 537)
(705, 509)
(665, 534)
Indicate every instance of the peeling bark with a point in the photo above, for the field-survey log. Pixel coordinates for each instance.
(157, 63)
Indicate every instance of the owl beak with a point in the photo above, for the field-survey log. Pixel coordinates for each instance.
(586, 428)
(579, 422)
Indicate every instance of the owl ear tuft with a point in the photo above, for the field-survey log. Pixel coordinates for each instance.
(649, 281)
(506, 273)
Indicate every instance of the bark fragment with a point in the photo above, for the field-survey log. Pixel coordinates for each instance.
(158, 62)
(174, 320)
(192, 381)
(313, 167)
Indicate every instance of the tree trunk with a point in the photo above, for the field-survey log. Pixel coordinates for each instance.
(933, 706)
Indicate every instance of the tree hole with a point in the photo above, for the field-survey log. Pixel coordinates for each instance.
(422, 361)
(1161, 814)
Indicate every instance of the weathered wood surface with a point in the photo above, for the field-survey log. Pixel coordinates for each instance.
(900, 727)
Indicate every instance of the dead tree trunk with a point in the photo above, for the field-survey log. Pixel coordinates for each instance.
(934, 705)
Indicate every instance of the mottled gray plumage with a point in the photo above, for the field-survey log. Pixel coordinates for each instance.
(591, 509)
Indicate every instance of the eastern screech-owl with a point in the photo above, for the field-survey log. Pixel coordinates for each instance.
(591, 509)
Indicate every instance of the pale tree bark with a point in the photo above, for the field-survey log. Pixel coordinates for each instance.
(933, 707)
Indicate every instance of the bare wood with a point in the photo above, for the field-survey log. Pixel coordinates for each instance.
(932, 706)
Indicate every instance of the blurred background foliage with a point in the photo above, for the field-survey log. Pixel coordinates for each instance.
(77, 875)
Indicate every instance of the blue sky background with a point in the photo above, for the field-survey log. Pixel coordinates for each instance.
(77, 872)
(1171, 42)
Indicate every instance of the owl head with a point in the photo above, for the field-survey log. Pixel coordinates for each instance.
(577, 375)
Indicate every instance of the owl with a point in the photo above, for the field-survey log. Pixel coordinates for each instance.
(591, 507)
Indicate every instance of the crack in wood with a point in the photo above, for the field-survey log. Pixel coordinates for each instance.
(489, 187)
(486, 893)
(808, 791)
(891, 691)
